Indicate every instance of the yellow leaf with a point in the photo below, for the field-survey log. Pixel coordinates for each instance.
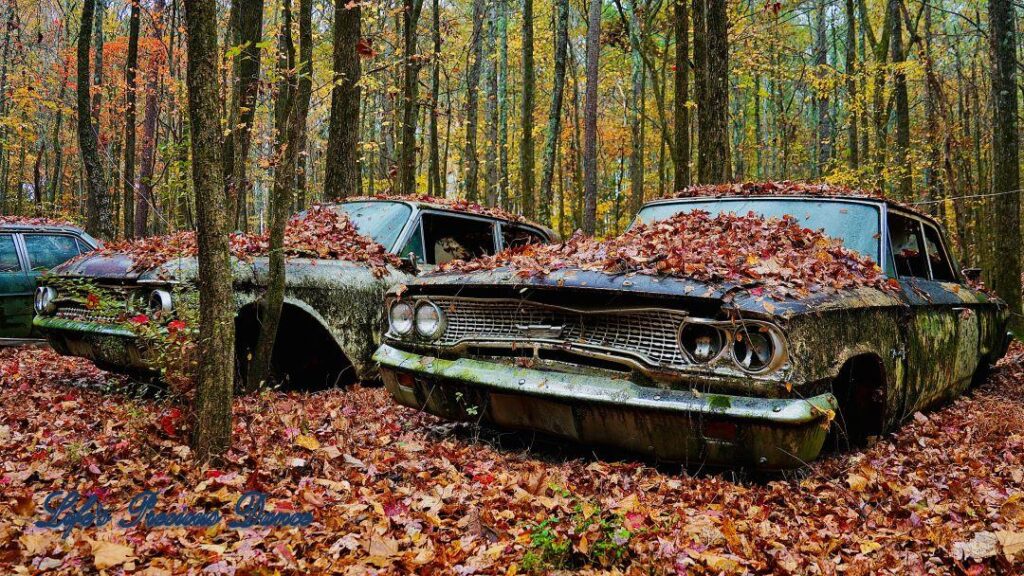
(752, 259)
(857, 482)
(1012, 543)
(307, 442)
(109, 554)
(869, 546)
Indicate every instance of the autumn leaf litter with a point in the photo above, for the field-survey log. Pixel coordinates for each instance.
(396, 491)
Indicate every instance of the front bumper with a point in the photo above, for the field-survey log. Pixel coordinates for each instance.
(670, 425)
(111, 346)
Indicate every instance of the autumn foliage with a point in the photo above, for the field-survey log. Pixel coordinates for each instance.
(320, 232)
(777, 256)
(399, 491)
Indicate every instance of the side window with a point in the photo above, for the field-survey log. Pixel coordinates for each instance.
(447, 238)
(8, 254)
(942, 268)
(48, 250)
(515, 236)
(907, 246)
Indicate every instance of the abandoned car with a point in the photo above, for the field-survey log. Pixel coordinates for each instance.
(331, 323)
(28, 248)
(684, 345)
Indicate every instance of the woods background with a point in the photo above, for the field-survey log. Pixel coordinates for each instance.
(490, 100)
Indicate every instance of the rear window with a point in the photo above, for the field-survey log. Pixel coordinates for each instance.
(8, 254)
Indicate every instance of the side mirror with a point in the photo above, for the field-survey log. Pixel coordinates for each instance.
(972, 274)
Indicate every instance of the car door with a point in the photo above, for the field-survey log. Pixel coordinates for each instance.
(16, 289)
(933, 324)
(441, 237)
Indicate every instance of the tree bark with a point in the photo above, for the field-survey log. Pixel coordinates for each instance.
(526, 151)
(342, 176)
(555, 111)
(681, 114)
(131, 85)
(287, 128)
(246, 85)
(144, 199)
(435, 187)
(590, 119)
(211, 431)
(824, 119)
(1005, 155)
(491, 142)
(851, 86)
(713, 156)
(99, 220)
(902, 152)
(472, 85)
(303, 97)
(410, 96)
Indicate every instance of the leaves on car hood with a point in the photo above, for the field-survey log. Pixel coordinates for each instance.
(776, 256)
(320, 232)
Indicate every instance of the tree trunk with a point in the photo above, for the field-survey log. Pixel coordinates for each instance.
(99, 221)
(211, 431)
(1005, 155)
(287, 128)
(97, 61)
(824, 119)
(491, 107)
(555, 111)
(851, 86)
(303, 96)
(713, 159)
(131, 85)
(410, 95)
(681, 114)
(342, 176)
(902, 152)
(590, 119)
(502, 101)
(246, 86)
(933, 170)
(472, 85)
(526, 151)
(144, 200)
(434, 183)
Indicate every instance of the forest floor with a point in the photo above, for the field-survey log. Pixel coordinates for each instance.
(396, 491)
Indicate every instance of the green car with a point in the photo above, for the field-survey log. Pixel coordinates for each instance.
(26, 251)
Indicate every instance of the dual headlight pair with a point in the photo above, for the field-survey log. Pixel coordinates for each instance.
(159, 303)
(424, 318)
(755, 347)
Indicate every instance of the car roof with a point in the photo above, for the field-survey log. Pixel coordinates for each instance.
(40, 228)
(446, 207)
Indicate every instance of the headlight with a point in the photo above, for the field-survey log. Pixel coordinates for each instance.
(756, 349)
(429, 320)
(44, 300)
(160, 303)
(400, 318)
(701, 342)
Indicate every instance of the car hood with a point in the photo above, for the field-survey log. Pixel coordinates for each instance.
(119, 269)
(665, 286)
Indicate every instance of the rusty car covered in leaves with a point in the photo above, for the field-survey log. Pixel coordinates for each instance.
(128, 306)
(737, 325)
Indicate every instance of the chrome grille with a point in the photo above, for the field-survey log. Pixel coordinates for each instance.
(646, 335)
(76, 312)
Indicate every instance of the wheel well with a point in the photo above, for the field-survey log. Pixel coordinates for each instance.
(305, 357)
(860, 388)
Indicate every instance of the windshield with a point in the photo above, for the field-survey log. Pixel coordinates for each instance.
(855, 223)
(382, 222)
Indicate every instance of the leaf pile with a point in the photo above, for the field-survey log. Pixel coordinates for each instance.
(35, 221)
(778, 254)
(394, 491)
(456, 204)
(320, 233)
(773, 188)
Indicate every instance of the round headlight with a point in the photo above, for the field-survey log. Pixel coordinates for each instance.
(429, 320)
(160, 303)
(753, 350)
(701, 342)
(401, 318)
(44, 300)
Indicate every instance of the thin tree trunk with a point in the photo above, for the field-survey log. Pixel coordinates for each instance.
(526, 151)
(472, 85)
(555, 111)
(434, 184)
(98, 216)
(716, 156)
(211, 431)
(851, 86)
(681, 114)
(491, 106)
(590, 119)
(131, 85)
(410, 95)
(902, 152)
(303, 96)
(1005, 155)
(342, 176)
(248, 20)
(144, 199)
(824, 119)
(286, 126)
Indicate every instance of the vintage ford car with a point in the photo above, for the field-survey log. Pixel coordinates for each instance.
(28, 248)
(332, 317)
(691, 372)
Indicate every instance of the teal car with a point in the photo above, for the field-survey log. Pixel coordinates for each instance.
(26, 251)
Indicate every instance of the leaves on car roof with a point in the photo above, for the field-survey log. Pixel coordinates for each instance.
(456, 204)
(774, 255)
(320, 232)
(36, 221)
